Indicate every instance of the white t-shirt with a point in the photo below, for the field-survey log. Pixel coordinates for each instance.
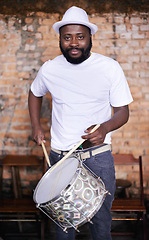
(82, 95)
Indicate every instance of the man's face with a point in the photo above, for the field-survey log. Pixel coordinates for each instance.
(75, 43)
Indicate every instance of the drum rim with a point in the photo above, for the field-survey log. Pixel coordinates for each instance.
(44, 176)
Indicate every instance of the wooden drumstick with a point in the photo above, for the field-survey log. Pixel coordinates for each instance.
(76, 146)
(45, 153)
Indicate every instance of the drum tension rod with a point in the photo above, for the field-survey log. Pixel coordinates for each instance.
(89, 220)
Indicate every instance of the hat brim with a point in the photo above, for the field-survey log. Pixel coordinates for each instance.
(58, 25)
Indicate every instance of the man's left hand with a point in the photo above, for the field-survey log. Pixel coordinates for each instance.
(96, 138)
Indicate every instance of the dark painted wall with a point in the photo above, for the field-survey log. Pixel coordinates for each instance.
(18, 7)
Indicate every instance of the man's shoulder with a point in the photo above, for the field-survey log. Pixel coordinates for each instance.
(102, 60)
(52, 62)
(99, 56)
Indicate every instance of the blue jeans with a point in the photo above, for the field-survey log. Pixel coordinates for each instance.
(103, 166)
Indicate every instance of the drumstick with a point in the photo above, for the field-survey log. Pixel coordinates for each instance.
(76, 146)
(45, 153)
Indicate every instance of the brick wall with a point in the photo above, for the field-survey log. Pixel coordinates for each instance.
(27, 42)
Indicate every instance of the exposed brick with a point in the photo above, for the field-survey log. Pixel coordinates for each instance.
(119, 19)
(121, 28)
(126, 35)
(106, 28)
(38, 35)
(132, 74)
(47, 21)
(138, 35)
(136, 20)
(10, 75)
(134, 58)
(125, 50)
(98, 20)
(144, 58)
(135, 28)
(126, 66)
(43, 29)
(144, 27)
(104, 35)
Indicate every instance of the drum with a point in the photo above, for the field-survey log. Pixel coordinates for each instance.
(69, 194)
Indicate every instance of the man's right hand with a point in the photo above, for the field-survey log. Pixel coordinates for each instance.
(38, 135)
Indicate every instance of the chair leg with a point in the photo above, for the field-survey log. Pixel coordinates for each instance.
(42, 229)
(141, 217)
(144, 226)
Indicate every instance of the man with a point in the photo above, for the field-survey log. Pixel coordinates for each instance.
(85, 86)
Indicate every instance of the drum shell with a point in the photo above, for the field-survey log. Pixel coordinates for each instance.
(79, 201)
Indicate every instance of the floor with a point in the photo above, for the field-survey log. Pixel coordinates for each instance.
(84, 234)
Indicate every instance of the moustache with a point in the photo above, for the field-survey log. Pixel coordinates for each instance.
(75, 48)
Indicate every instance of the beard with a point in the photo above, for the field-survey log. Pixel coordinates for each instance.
(85, 53)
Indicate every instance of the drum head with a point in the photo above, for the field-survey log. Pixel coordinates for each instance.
(55, 180)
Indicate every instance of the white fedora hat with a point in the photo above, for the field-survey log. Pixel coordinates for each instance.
(75, 15)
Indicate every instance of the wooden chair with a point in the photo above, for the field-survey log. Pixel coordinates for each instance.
(130, 208)
(18, 208)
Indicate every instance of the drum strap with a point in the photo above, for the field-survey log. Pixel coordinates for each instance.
(88, 153)
(94, 152)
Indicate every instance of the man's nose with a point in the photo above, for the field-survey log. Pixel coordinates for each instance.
(74, 42)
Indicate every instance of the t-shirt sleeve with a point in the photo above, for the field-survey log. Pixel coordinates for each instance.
(38, 86)
(120, 94)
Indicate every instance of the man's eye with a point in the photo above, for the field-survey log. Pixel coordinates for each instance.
(67, 38)
(80, 37)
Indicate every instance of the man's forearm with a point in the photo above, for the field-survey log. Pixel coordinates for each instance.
(120, 117)
(34, 104)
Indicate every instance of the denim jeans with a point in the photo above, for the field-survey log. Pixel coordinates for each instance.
(103, 166)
